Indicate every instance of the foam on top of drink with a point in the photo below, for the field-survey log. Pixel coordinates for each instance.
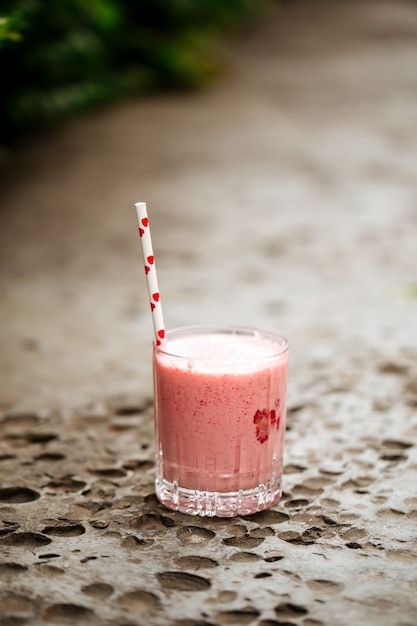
(220, 351)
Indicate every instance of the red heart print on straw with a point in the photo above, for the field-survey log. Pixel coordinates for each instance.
(150, 272)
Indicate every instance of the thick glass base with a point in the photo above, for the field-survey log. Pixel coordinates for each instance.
(216, 503)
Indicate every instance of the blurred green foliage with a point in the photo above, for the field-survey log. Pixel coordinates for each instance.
(59, 58)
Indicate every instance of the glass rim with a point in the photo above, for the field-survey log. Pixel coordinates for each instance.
(207, 329)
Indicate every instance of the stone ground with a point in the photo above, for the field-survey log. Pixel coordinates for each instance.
(282, 197)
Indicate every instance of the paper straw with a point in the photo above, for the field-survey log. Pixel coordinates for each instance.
(150, 272)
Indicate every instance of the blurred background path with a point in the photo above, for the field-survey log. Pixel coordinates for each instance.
(283, 196)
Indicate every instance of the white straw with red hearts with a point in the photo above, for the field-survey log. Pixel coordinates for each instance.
(150, 271)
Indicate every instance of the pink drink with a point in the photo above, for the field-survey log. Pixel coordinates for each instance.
(220, 419)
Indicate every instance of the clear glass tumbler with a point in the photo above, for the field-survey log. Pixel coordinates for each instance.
(220, 401)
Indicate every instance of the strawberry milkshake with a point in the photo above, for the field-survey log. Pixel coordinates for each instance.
(220, 419)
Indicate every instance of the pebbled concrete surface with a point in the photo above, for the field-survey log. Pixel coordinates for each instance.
(283, 197)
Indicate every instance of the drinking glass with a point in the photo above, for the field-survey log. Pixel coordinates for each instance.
(220, 404)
